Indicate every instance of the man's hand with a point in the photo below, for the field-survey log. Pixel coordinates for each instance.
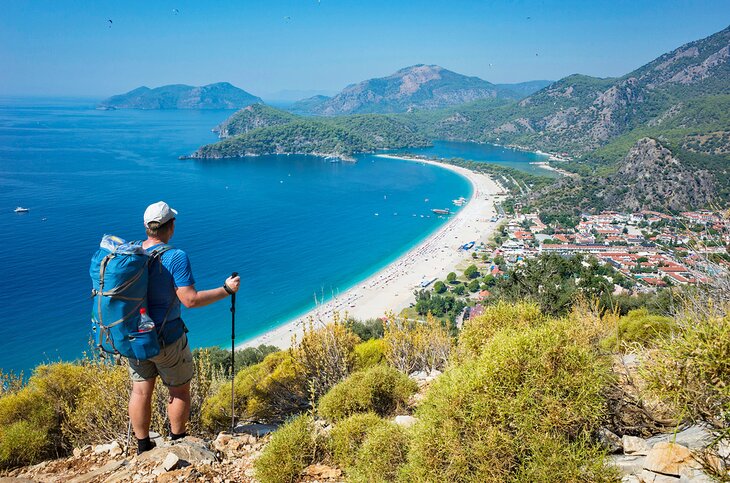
(233, 283)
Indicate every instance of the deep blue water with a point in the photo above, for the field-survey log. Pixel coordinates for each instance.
(490, 153)
(292, 226)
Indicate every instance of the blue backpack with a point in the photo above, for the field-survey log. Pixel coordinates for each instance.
(119, 274)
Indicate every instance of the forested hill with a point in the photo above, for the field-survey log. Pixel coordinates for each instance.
(221, 95)
(260, 129)
(579, 114)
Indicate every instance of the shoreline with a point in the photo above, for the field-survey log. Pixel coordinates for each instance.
(391, 288)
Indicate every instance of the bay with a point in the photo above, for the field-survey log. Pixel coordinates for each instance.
(295, 227)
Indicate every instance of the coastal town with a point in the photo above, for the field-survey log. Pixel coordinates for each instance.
(649, 248)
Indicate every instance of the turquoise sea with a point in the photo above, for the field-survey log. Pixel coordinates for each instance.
(295, 227)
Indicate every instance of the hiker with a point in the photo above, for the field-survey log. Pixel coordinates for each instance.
(171, 282)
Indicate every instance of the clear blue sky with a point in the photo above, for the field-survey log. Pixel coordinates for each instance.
(65, 47)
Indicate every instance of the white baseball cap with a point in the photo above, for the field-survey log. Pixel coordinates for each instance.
(159, 212)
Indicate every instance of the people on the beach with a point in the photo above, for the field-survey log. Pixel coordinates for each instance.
(171, 282)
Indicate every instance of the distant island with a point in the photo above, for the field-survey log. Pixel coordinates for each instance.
(221, 95)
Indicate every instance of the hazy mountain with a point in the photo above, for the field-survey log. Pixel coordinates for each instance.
(413, 88)
(221, 95)
(524, 89)
(309, 105)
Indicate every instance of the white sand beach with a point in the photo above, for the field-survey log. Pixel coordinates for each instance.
(391, 289)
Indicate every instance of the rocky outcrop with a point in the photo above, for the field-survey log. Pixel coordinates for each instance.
(651, 177)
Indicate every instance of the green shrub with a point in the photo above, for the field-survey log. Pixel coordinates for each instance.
(35, 414)
(369, 353)
(368, 329)
(380, 389)
(381, 455)
(691, 370)
(22, 443)
(220, 359)
(414, 345)
(477, 331)
(270, 390)
(638, 327)
(348, 435)
(291, 449)
(482, 420)
(100, 413)
(554, 458)
(325, 355)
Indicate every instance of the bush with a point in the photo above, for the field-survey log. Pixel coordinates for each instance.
(35, 414)
(219, 360)
(348, 435)
(439, 287)
(638, 327)
(369, 329)
(486, 419)
(416, 346)
(380, 389)
(473, 286)
(369, 354)
(381, 455)
(270, 391)
(459, 289)
(22, 443)
(291, 449)
(100, 414)
(690, 370)
(325, 355)
(478, 331)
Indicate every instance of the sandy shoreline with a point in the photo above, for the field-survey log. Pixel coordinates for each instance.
(391, 289)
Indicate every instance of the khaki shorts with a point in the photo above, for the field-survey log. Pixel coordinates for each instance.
(174, 365)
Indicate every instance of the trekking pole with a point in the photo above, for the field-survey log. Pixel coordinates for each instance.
(233, 355)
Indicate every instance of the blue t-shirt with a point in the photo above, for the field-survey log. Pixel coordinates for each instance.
(172, 270)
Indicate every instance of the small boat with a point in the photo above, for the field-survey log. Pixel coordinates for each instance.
(20, 209)
(439, 211)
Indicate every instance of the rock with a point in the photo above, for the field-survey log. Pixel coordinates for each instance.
(10, 479)
(630, 479)
(668, 459)
(609, 440)
(627, 464)
(93, 475)
(405, 421)
(188, 452)
(77, 452)
(694, 475)
(723, 449)
(171, 461)
(694, 437)
(108, 448)
(634, 445)
(115, 449)
(255, 429)
(647, 476)
(222, 440)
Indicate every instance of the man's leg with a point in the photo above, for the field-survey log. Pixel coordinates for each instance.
(178, 408)
(140, 407)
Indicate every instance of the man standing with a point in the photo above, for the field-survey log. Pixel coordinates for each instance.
(170, 283)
